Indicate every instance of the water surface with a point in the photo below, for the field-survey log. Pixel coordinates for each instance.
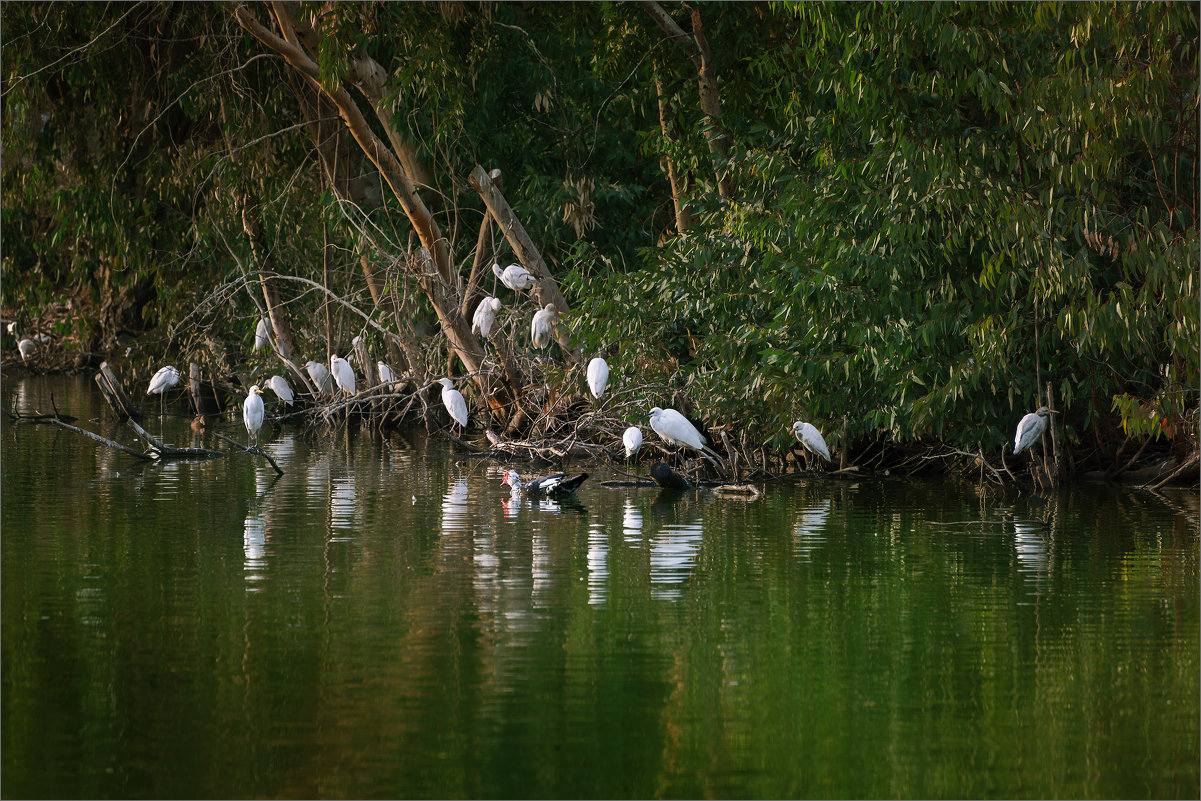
(385, 621)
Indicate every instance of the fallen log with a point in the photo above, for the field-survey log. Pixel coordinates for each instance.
(255, 449)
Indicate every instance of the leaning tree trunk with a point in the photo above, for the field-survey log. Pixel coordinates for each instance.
(668, 128)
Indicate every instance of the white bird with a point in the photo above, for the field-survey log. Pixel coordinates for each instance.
(598, 376)
(485, 316)
(557, 486)
(632, 439)
(675, 429)
(811, 438)
(26, 347)
(12, 327)
(279, 385)
(320, 376)
(541, 324)
(386, 376)
(342, 372)
(1031, 429)
(261, 334)
(252, 412)
(514, 276)
(452, 399)
(163, 380)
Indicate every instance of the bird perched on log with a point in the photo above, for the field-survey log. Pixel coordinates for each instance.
(485, 316)
(343, 373)
(811, 439)
(515, 277)
(1031, 429)
(252, 412)
(320, 375)
(279, 385)
(675, 429)
(558, 485)
(452, 399)
(598, 376)
(541, 325)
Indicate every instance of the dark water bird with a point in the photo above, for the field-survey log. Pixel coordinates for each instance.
(559, 485)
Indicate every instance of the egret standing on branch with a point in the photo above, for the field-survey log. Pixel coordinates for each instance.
(261, 334)
(343, 373)
(160, 382)
(386, 376)
(515, 277)
(279, 385)
(452, 399)
(811, 438)
(1031, 429)
(598, 376)
(541, 325)
(485, 316)
(320, 376)
(675, 429)
(252, 412)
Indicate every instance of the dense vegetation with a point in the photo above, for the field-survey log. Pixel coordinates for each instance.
(907, 220)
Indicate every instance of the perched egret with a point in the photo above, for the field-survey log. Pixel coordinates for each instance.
(515, 277)
(279, 385)
(485, 316)
(262, 334)
(163, 380)
(320, 376)
(811, 438)
(559, 485)
(452, 399)
(252, 412)
(386, 376)
(12, 327)
(675, 429)
(343, 373)
(598, 376)
(632, 439)
(26, 347)
(541, 324)
(1031, 429)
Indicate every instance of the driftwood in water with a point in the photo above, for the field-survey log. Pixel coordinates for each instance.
(256, 450)
(112, 391)
(161, 450)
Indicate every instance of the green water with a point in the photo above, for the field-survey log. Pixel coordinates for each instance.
(383, 621)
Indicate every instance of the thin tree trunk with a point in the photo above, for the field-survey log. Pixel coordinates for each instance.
(667, 126)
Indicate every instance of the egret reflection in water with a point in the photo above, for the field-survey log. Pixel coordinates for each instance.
(1034, 561)
(673, 556)
(810, 529)
(631, 521)
(598, 563)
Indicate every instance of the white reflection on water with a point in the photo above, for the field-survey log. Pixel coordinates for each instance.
(1034, 562)
(541, 567)
(673, 555)
(810, 531)
(631, 521)
(342, 507)
(598, 564)
(254, 540)
(456, 515)
(282, 448)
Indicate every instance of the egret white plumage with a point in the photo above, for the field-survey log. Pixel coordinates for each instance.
(386, 376)
(598, 376)
(675, 429)
(811, 439)
(541, 325)
(26, 348)
(452, 399)
(320, 375)
(1031, 429)
(632, 439)
(343, 373)
(163, 380)
(279, 385)
(485, 316)
(558, 485)
(252, 412)
(262, 335)
(515, 277)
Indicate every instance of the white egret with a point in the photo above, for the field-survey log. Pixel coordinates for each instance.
(675, 429)
(515, 277)
(598, 376)
(12, 327)
(541, 324)
(343, 373)
(163, 380)
(252, 412)
(320, 376)
(558, 485)
(279, 385)
(485, 316)
(632, 439)
(386, 376)
(452, 399)
(811, 438)
(1031, 429)
(262, 334)
(26, 347)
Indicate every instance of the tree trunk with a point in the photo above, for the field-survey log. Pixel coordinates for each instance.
(667, 126)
